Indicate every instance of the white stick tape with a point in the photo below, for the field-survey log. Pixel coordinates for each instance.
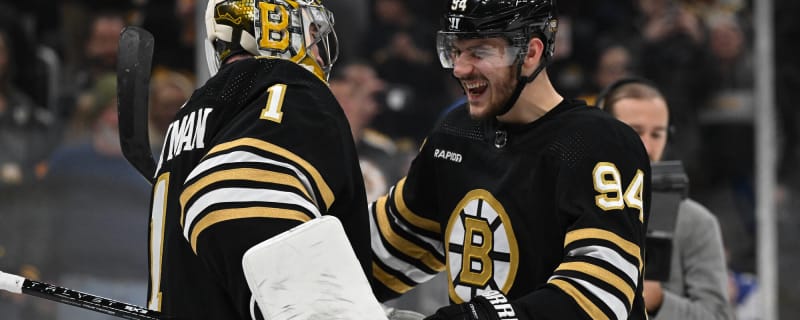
(11, 282)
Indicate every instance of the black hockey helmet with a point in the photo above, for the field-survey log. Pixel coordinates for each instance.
(517, 20)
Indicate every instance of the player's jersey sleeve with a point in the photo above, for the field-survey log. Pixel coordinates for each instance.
(406, 240)
(603, 192)
(285, 158)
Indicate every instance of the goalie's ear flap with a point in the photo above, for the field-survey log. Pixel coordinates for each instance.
(316, 270)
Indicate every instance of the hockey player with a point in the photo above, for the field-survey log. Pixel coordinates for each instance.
(534, 205)
(260, 148)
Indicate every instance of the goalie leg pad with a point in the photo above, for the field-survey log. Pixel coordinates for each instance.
(310, 272)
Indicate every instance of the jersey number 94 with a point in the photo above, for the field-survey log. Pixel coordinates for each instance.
(608, 183)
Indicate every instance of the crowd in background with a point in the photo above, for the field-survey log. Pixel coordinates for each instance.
(75, 213)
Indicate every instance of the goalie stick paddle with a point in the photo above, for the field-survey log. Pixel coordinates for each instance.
(17, 284)
(133, 87)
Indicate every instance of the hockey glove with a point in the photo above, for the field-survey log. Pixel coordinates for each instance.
(491, 305)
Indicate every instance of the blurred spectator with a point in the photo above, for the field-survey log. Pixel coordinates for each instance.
(727, 41)
(400, 46)
(40, 19)
(674, 55)
(398, 36)
(84, 113)
(76, 20)
(169, 90)
(100, 205)
(665, 19)
(590, 24)
(26, 130)
(30, 74)
(98, 33)
(614, 62)
(356, 87)
(102, 44)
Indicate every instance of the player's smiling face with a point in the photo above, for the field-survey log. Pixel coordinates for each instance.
(484, 69)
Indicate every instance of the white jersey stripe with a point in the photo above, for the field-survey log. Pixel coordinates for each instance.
(244, 156)
(229, 195)
(610, 256)
(436, 244)
(382, 254)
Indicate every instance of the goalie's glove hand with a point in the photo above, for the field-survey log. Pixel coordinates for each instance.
(491, 305)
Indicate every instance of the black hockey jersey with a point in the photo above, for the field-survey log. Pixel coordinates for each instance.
(262, 147)
(552, 213)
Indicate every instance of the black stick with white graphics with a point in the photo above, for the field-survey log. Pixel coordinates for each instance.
(133, 87)
(17, 284)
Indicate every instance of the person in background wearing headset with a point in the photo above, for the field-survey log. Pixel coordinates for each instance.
(697, 286)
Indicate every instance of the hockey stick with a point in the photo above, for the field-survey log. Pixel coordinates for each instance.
(16, 284)
(133, 88)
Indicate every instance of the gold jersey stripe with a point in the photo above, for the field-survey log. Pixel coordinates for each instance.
(592, 233)
(388, 280)
(398, 242)
(243, 213)
(602, 274)
(241, 174)
(324, 189)
(409, 215)
(587, 305)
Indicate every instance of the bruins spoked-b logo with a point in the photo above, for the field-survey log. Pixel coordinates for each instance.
(481, 247)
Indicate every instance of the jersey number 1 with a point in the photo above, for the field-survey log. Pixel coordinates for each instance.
(272, 111)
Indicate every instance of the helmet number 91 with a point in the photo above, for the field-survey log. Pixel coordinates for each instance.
(608, 183)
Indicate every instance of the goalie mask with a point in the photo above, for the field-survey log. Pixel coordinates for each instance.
(297, 30)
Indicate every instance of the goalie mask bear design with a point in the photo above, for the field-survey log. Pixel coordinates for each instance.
(297, 30)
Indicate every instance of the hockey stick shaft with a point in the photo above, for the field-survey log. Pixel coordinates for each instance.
(133, 87)
(16, 284)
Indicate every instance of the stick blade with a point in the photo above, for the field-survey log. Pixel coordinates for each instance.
(133, 88)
